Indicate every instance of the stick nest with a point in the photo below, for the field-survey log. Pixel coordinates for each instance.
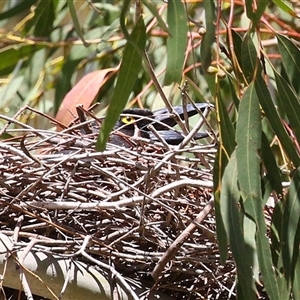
(146, 209)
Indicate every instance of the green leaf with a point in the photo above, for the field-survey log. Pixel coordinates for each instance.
(210, 35)
(296, 280)
(289, 102)
(17, 9)
(226, 129)
(282, 5)
(221, 160)
(290, 57)
(232, 218)
(248, 164)
(254, 208)
(237, 44)
(250, 249)
(129, 70)
(14, 82)
(249, 9)
(177, 41)
(250, 61)
(234, 96)
(10, 56)
(255, 15)
(149, 4)
(274, 119)
(260, 10)
(276, 232)
(237, 53)
(225, 149)
(226, 142)
(276, 242)
(269, 161)
(126, 5)
(76, 22)
(291, 223)
(248, 137)
(46, 17)
(284, 288)
(42, 21)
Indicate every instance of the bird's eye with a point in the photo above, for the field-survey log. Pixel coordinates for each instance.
(128, 120)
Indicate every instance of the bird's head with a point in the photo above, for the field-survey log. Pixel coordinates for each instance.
(133, 122)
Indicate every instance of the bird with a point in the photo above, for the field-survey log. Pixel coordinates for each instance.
(134, 122)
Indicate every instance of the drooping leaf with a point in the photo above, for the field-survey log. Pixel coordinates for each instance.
(125, 7)
(129, 70)
(248, 165)
(290, 55)
(290, 102)
(44, 16)
(236, 54)
(210, 35)
(8, 90)
(177, 41)
(250, 249)
(248, 138)
(11, 55)
(76, 22)
(249, 9)
(225, 149)
(291, 223)
(232, 218)
(17, 9)
(282, 5)
(274, 119)
(269, 161)
(222, 160)
(296, 264)
(250, 62)
(260, 10)
(237, 44)
(234, 96)
(254, 10)
(150, 5)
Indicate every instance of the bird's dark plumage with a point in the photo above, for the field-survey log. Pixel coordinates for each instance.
(134, 122)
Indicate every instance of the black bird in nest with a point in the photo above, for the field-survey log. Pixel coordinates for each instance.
(134, 122)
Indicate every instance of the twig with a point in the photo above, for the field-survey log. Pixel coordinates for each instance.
(170, 253)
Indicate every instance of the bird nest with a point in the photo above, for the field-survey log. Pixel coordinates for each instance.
(143, 213)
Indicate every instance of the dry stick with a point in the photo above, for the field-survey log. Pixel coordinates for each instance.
(46, 138)
(16, 152)
(170, 253)
(102, 265)
(53, 120)
(67, 280)
(159, 137)
(23, 278)
(120, 203)
(163, 96)
(203, 115)
(11, 120)
(28, 213)
(17, 228)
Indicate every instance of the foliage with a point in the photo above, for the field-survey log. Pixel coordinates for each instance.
(247, 64)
